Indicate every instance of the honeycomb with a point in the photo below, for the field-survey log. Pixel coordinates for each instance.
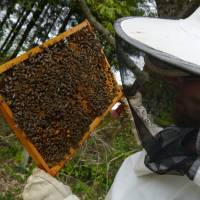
(55, 95)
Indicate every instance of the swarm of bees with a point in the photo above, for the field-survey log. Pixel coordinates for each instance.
(55, 95)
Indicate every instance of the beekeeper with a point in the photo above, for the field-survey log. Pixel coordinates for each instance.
(169, 166)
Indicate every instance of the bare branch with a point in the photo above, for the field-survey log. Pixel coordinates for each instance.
(107, 34)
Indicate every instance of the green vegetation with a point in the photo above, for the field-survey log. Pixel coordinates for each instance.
(107, 11)
(12, 172)
(158, 99)
(91, 172)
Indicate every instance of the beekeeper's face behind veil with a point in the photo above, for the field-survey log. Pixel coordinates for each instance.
(168, 51)
(170, 94)
(187, 104)
(177, 96)
(163, 56)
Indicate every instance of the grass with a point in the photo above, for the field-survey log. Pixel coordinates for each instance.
(90, 174)
(92, 171)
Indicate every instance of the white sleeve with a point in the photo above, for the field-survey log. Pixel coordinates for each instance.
(72, 197)
(136, 102)
(124, 181)
(42, 186)
(197, 178)
(139, 167)
(194, 171)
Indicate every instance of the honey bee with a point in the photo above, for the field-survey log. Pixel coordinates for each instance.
(48, 89)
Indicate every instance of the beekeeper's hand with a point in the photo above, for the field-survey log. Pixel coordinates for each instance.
(42, 186)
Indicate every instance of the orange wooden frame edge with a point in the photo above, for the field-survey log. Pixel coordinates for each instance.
(8, 115)
(4, 67)
(54, 170)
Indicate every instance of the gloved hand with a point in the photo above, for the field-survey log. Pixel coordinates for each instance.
(178, 153)
(42, 186)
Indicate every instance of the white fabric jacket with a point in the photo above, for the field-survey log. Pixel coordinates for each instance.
(132, 182)
(135, 182)
(42, 186)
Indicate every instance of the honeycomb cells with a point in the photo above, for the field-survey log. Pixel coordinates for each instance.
(56, 94)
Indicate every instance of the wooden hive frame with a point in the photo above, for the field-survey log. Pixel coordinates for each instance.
(8, 115)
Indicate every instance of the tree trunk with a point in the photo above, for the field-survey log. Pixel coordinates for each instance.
(49, 28)
(66, 20)
(39, 28)
(31, 24)
(8, 13)
(13, 29)
(16, 32)
(176, 8)
(106, 33)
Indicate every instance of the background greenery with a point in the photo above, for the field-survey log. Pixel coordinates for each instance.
(90, 173)
(27, 23)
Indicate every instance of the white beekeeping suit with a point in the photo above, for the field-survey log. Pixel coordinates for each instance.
(134, 181)
(177, 44)
(42, 186)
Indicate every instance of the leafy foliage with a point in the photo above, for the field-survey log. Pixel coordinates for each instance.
(13, 174)
(92, 171)
(107, 11)
(90, 174)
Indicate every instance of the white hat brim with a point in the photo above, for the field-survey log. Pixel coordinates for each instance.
(174, 41)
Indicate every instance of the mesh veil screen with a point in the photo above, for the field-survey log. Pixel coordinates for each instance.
(161, 149)
(131, 62)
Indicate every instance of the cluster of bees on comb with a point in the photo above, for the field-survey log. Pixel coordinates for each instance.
(55, 95)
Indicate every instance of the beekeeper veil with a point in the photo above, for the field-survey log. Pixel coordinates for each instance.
(151, 53)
